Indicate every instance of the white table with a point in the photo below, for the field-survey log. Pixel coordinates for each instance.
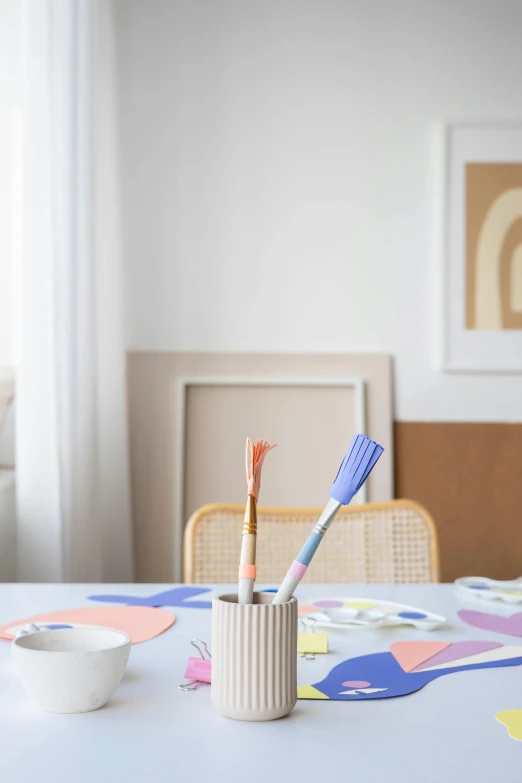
(151, 732)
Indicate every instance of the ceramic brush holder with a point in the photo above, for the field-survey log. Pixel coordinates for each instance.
(254, 657)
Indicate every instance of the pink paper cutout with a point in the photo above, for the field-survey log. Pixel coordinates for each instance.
(356, 684)
(511, 626)
(409, 655)
(140, 622)
(457, 651)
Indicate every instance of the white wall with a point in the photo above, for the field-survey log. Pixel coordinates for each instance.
(279, 177)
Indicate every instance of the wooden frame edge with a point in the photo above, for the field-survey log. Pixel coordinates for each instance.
(355, 382)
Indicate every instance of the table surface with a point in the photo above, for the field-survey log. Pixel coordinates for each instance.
(151, 731)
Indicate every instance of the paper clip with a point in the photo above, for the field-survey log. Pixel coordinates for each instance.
(310, 643)
(198, 669)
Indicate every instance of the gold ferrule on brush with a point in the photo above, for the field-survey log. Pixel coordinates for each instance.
(250, 521)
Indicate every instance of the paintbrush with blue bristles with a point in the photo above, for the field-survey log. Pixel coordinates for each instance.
(355, 469)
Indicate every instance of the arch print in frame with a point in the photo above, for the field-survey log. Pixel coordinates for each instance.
(482, 250)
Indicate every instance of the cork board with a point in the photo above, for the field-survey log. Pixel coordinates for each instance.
(468, 476)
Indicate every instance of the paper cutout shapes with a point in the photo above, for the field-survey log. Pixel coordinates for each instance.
(356, 684)
(140, 622)
(384, 677)
(359, 691)
(176, 596)
(511, 626)
(55, 626)
(458, 650)
(311, 643)
(372, 613)
(512, 720)
(412, 654)
(500, 653)
(309, 692)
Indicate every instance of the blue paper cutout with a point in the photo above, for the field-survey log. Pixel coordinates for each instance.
(270, 590)
(383, 671)
(412, 615)
(56, 626)
(177, 596)
(478, 587)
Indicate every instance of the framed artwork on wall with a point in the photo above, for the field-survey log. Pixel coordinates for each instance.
(482, 251)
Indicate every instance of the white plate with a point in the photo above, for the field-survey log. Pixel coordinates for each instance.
(490, 590)
(353, 612)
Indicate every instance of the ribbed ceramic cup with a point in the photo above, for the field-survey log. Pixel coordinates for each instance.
(254, 657)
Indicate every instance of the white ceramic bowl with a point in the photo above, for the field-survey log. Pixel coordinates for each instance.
(71, 669)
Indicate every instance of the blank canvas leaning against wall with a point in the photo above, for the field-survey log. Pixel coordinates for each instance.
(310, 423)
(190, 414)
(311, 418)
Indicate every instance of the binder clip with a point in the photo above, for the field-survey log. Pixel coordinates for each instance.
(198, 669)
(309, 642)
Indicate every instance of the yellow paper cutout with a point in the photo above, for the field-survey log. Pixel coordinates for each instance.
(512, 592)
(512, 720)
(312, 643)
(309, 692)
(360, 605)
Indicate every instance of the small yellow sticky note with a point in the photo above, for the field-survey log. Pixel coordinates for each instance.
(309, 643)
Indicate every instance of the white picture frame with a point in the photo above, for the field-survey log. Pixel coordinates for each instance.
(462, 349)
(357, 384)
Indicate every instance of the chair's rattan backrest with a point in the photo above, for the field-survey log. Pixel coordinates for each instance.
(377, 542)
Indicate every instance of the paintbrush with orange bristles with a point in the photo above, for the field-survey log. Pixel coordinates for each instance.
(255, 455)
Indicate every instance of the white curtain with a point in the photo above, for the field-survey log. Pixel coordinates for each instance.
(71, 428)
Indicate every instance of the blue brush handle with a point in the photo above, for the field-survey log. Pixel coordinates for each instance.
(309, 549)
(298, 568)
(353, 472)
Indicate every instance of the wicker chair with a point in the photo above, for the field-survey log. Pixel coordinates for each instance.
(377, 542)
